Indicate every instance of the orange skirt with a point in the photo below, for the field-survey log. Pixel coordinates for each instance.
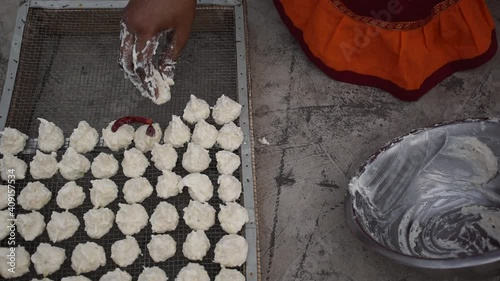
(402, 47)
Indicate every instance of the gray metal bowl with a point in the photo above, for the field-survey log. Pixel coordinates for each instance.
(431, 200)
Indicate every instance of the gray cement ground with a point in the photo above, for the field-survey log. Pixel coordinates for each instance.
(320, 132)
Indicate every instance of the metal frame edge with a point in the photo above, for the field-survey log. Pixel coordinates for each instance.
(106, 4)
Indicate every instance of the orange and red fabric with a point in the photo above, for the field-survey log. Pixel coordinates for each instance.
(404, 47)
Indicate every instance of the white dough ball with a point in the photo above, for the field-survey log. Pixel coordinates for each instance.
(196, 159)
(30, 225)
(231, 251)
(230, 137)
(48, 259)
(131, 219)
(134, 163)
(120, 139)
(193, 272)
(43, 166)
(103, 192)
(73, 165)
(84, 138)
(104, 166)
(199, 216)
(43, 279)
(12, 167)
(199, 186)
(136, 190)
(50, 137)
(4, 196)
(196, 245)
(164, 157)
(4, 222)
(22, 262)
(145, 143)
(152, 274)
(167, 185)
(161, 247)
(87, 257)
(177, 133)
(76, 278)
(227, 162)
(12, 141)
(116, 275)
(163, 84)
(98, 222)
(229, 275)
(229, 188)
(70, 196)
(233, 217)
(34, 196)
(226, 110)
(62, 226)
(164, 218)
(196, 110)
(204, 134)
(124, 252)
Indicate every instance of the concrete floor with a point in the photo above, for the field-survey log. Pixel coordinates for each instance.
(320, 132)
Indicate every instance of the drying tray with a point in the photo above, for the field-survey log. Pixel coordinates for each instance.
(63, 67)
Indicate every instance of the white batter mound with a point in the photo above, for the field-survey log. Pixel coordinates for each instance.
(116, 275)
(70, 196)
(229, 275)
(177, 133)
(50, 137)
(73, 165)
(98, 222)
(131, 218)
(164, 157)
(136, 190)
(233, 217)
(193, 272)
(196, 110)
(4, 196)
(104, 166)
(75, 278)
(134, 163)
(13, 166)
(163, 84)
(145, 143)
(231, 251)
(196, 159)
(152, 274)
(164, 218)
(12, 141)
(4, 230)
(124, 252)
(30, 225)
(22, 262)
(120, 139)
(226, 110)
(204, 134)
(230, 137)
(199, 186)
(103, 192)
(229, 188)
(161, 247)
(196, 245)
(167, 185)
(48, 259)
(62, 226)
(43, 166)
(43, 279)
(199, 216)
(227, 162)
(34, 196)
(87, 257)
(84, 138)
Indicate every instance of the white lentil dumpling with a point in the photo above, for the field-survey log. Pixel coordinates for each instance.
(230, 137)
(196, 110)
(124, 252)
(4, 230)
(131, 219)
(167, 185)
(227, 162)
(43, 166)
(229, 275)
(226, 110)
(76, 278)
(193, 272)
(12, 141)
(4, 196)
(164, 157)
(62, 226)
(229, 188)
(104, 166)
(196, 245)
(164, 218)
(30, 225)
(73, 165)
(199, 216)
(233, 217)
(87, 257)
(13, 166)
(22, 262)
(98, 222)
(120, 139)
(136, 190)
(103, 192)
(231, 251)
(196, 159)
(152, 274)
(204, 134)
(70, 196)
(145, 143)
(163, 83)
(199, 186)
(134, 163)
(50, 137)
(34, 196)
(84, 138)
(48, 259)
(177, 133)
(161, 247)
(116, 275)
